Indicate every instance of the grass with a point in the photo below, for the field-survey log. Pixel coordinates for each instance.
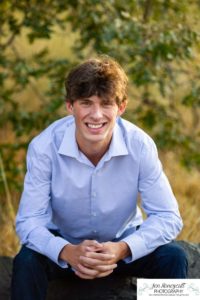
(186, 187)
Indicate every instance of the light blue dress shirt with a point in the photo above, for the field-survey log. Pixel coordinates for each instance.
(63, 190)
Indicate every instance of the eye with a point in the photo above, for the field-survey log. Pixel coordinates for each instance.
(85, 102)
(107, 103)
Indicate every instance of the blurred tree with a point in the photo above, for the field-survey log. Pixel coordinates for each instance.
(157, 42)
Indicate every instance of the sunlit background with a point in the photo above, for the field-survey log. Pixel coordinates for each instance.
(157, 42)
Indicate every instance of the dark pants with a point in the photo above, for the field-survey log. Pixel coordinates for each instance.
(32, 271)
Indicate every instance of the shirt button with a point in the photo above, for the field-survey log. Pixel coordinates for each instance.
(94, 214)
(94, 194)
(94, 231)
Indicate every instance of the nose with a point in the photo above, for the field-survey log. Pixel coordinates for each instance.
(96, 112)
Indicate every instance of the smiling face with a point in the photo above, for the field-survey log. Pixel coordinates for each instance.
(95, 120)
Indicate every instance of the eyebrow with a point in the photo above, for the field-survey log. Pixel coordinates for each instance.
(84, 99)
(104, 100)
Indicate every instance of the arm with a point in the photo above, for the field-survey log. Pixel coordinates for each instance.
(163, 222)
(34, 212)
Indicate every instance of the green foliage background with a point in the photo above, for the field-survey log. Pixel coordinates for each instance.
(156, 41)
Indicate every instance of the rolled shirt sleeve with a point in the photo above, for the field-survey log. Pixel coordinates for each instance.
(163, 222)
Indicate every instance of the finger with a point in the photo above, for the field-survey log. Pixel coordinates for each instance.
(83, 276)
(99, 275)
(106, 268)
(86, 270)
(94, 248)
(91, 262)
(104, 274)
(92, 243)
(100, 256)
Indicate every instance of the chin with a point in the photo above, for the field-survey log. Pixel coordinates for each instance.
(96, 138)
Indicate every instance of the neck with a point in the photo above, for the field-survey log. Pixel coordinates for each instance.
(94, 152)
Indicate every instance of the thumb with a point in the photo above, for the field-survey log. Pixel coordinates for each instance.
(94, 246)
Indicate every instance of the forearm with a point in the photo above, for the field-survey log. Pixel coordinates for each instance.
(155, 231)
(41, 240)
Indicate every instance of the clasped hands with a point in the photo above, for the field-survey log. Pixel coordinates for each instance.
(91, 259)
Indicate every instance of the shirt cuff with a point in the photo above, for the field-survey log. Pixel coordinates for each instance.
(53, 249)
(137, 247)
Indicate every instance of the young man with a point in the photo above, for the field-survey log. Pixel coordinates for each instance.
(78, 212)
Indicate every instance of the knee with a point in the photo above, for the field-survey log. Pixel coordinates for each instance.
(171, 261)
(176, 251)
(173, 253)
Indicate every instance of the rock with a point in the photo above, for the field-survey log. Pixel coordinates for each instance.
(193, 252)
(5, 277)
(109, 288)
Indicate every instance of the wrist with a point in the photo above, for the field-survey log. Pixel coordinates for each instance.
(124, 250)
(65, 252)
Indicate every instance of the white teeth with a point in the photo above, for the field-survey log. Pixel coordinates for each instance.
(95, 125)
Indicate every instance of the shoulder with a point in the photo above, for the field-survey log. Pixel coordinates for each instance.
(135, 137)
(141, 148)
(51, 137)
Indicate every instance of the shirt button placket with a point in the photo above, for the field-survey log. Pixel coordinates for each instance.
(93, 204)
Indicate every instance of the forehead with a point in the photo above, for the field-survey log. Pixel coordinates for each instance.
(97, 99)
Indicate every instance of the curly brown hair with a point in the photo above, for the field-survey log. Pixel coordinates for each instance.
(101, 76)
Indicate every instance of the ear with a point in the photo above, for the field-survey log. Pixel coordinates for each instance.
(122, 108)
(69, 107)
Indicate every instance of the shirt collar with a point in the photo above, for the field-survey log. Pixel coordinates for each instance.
(69, 145)
(117, 146)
